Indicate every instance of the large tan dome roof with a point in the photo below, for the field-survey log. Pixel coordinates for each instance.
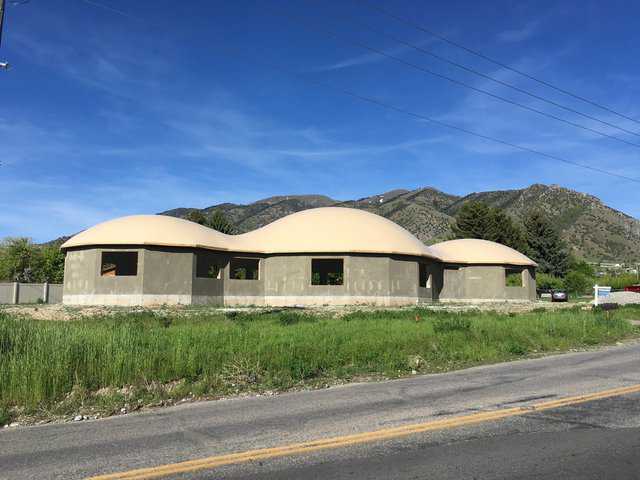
(158, 230)
(334, 230)
(319, 230)
(475, 251)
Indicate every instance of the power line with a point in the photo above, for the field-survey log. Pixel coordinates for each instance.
(484, 75)
(111, 9)
(424, 29)
(293, 19)
(388, 106)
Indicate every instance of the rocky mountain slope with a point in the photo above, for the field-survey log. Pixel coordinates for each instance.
(593, 230)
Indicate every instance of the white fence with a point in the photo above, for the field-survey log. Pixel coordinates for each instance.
(14, 293)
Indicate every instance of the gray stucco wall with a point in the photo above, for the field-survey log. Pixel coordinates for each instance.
(368, 279)
(55, 293)
(485, 283)
(169, 275)
(30, 293)
(167, 271)
(83, 283)
(6, 292)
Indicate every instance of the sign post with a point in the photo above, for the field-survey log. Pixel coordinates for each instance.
(600, 292)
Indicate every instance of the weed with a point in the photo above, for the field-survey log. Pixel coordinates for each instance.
(62, 366)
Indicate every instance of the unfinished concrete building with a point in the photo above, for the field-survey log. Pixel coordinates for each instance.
(478, 270)
(323, 256)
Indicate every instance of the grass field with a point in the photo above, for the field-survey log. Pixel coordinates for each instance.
(132, 359)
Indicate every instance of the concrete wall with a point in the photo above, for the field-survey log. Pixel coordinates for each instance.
(55, 293)
(485, 283)
(84, 284)
(13, 293)
(368, 279)
(6, 292)
(31, 293)
(169, 275)
(244, 292)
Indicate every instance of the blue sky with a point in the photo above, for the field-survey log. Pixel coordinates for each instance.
(163, 105)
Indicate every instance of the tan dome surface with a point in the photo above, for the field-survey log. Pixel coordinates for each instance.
(333, 230)
(158, 230)
(318, 230)
(475, 251)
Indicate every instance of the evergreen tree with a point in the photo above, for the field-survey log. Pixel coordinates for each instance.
(196, 216)
(502, 229)
(218, 221)
(473, 220)
(545, 246)
(479, 220)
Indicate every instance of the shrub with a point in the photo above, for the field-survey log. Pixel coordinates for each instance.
(458, 323)
(546, 281)
(577, 283)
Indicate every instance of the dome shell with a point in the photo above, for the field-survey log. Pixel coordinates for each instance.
(476, 251)
(318, 230)
(334, 230)
(160, 230)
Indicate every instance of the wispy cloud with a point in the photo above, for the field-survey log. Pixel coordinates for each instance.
(372, 57)
(519, 34)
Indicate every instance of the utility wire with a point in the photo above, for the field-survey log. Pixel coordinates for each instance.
(111, 9)
(297, 21)
(374, 101)
(419, 116)
(424, 29)
(444, 59)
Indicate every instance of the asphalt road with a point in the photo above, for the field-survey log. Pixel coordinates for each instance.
(598, 439)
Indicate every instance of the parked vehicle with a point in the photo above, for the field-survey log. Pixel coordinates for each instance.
(559, 296)
(633, 288)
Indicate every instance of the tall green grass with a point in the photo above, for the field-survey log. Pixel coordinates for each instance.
(42, 362)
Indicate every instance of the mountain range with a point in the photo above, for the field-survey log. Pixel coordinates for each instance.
(592, 230)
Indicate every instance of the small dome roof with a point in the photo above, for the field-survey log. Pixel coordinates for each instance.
(158, 230)
(334, 230)
(475, 251)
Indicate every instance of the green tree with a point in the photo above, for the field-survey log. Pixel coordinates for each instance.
(219, 221)
(479, 220)
(544, 281)
(579, 265)
(577, 283)
(216, 220)
(473, 220)
(51, 264)
(196, 216)
(20, 260)
(502, 229)
(545, 246)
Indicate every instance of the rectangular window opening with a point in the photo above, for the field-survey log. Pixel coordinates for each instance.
(513, 277)
(327, 271)
(424, 275)
(207, 266)
(119, 264)
(244, 268)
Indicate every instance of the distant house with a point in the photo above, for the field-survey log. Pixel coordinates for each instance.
(322, 256)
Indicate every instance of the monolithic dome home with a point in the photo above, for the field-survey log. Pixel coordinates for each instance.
(323, 256)
(479, 270)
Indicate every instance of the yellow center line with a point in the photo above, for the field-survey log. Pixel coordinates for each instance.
(358, 438)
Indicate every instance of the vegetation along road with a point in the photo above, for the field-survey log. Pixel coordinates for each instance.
(522, 419)
(121, 361)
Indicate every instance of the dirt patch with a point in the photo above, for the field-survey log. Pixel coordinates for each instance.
(59, 312)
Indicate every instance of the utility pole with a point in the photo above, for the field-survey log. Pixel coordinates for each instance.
(4, 65)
